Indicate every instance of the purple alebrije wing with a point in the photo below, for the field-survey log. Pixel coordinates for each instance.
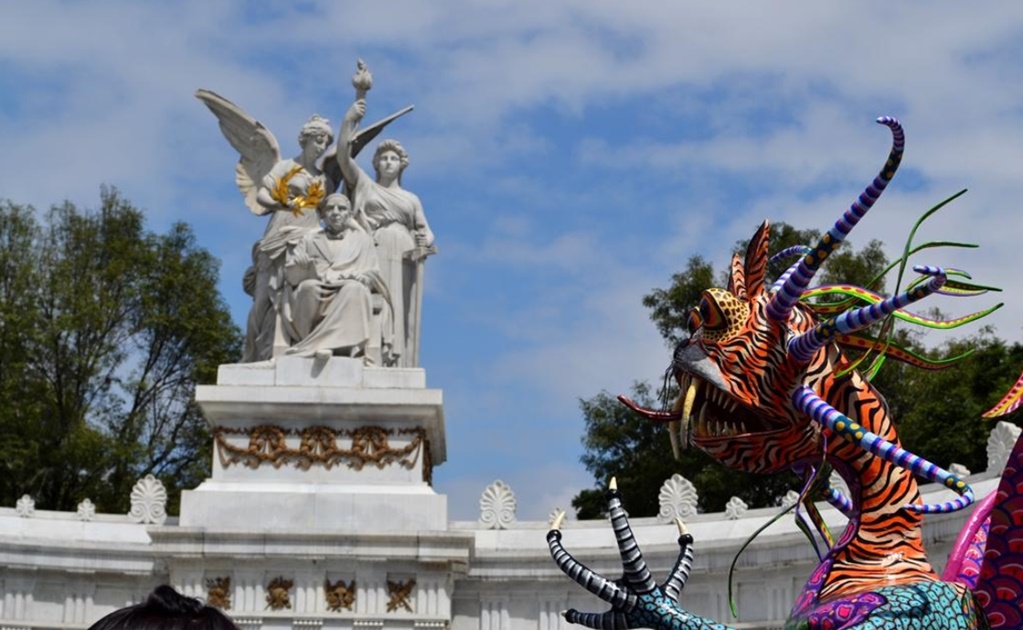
(1000, 587)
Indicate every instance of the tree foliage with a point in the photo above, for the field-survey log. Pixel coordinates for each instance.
(617, 443)
(105, 328)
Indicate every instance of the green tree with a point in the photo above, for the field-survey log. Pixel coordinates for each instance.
(616, 443)
(105, 329)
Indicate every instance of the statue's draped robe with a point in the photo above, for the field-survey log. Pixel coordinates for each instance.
(264, 280)
(390, 214)
(328, 307)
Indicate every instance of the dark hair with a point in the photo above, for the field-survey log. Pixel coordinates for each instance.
(166, 609)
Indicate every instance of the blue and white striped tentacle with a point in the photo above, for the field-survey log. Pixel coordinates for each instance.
(812, 405)
(780, 306)
(785, 253)
(802, 347)
(680, 572)
(593, 582)
(636, 573)
(839, 501)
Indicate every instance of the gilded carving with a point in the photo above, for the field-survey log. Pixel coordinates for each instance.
(278, 593)
(399, 593)
(340, 596)
(322, 446)
(218, 592)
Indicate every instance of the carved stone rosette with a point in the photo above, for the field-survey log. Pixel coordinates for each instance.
(278, 593)
(340, 595)
(399, 594)
(218, 592)
(497, 506)
(677, 498)
(323, 446)
(148, 501)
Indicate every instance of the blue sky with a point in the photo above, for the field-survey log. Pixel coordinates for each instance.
(570, 156)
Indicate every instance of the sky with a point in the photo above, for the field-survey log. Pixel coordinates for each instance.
(570, 156)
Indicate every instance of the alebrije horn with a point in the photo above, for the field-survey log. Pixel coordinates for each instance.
(780, 306)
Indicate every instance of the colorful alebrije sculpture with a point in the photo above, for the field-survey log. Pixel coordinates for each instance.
(764, 387)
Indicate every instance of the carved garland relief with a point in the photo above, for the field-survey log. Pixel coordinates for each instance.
(320, 446)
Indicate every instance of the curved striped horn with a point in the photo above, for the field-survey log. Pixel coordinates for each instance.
(597, 584)
(821, 412)
(802, 347)
(788, 294)
(636, 573)
(683, 565)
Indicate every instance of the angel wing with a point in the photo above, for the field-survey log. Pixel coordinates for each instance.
(256, 146)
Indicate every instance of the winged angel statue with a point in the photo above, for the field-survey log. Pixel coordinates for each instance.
(289, 190)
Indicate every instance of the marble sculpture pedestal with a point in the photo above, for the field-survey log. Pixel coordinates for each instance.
(311, 446)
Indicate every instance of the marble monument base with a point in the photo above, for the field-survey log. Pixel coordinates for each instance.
(304, 444)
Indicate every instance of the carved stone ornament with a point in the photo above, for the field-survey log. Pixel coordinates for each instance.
(148, 501)
(322, 446)
(791, 498)
(497, 506)
(959, 470)
(677, 498)
(340, 595)
(278, 593)
(999, 445)
(86, 510)
(399, 594)
(554, 514)
(218, 592)
(838, 483)
(735, 509)
(25, 507)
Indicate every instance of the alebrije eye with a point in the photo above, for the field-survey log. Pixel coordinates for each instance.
(694, 321)
(722, 314)
(710, 313)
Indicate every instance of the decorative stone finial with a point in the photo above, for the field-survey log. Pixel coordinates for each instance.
(959, 470)
(553, 516)
(497, 506)
(86, 510)
(735, 509)
(1000, 444)
(791, 498)
(838, 483)
(25, 507)
(148, 501)
(677, 498)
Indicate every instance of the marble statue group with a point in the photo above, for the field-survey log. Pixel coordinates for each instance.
(339, 269)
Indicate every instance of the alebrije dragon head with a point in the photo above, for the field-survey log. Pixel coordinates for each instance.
(762, 380)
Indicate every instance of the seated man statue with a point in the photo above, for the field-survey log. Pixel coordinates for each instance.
(332, 274)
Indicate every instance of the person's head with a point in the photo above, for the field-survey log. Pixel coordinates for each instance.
(390, 160)
(166, 609)
(335, 211)
(316, 135)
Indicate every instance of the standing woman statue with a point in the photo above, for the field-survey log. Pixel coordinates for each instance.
(289, 190)
(395, 218)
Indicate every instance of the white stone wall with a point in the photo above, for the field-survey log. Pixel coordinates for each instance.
(59, 572)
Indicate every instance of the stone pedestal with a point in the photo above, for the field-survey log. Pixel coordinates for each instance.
(320, 446)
